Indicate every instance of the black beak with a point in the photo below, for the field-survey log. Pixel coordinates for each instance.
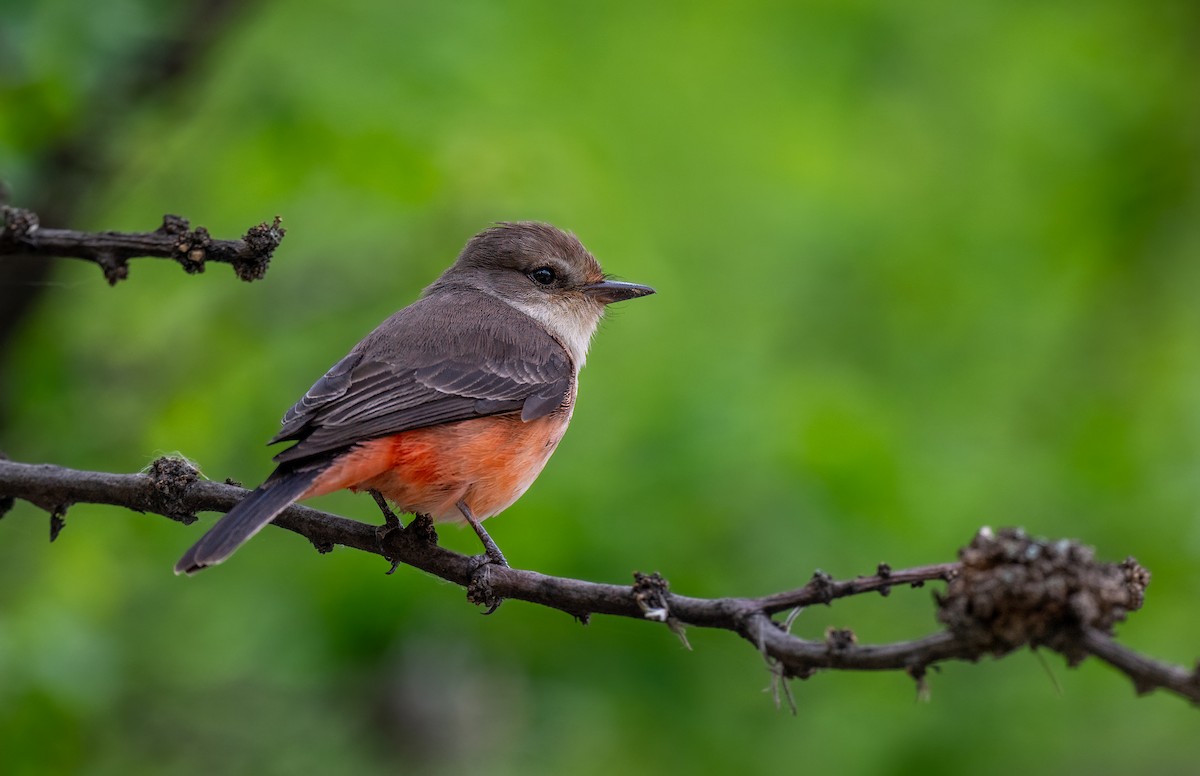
(609, 291)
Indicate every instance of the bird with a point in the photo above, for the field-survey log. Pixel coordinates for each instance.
(452, 406)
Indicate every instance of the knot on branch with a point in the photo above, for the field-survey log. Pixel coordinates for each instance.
(191, 245)
(171, 477)
(421, 530)
(18, 225)
(822, 586)
(650, 593)
(884, 572)
(261, 242)
(839, 640)
(1015, 590)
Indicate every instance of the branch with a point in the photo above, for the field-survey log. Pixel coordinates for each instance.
(1006, 591)
(192, 248)
(73, 158)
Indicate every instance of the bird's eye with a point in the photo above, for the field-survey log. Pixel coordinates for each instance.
(543, 276)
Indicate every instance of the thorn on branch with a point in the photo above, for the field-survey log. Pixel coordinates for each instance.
(919, 674)
(1143, 686)
(57, 521)
(113, 266)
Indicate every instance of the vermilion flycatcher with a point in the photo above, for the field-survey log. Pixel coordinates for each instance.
(454, 404)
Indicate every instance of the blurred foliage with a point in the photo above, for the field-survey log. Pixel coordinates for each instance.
(922, 267)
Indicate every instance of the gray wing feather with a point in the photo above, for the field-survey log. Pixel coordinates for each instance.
(488, 359)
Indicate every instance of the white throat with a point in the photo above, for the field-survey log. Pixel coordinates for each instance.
(571, 321)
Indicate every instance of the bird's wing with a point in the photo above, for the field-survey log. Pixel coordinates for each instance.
(450, 357)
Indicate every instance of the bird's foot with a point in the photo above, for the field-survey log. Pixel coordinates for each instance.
(479, 588)
(419, 530)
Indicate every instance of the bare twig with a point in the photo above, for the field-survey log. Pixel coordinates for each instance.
(192, 248)
(1008, 590)
(1147, 673)
(71, 162)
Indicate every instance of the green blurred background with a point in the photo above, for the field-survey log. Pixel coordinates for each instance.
(921, 267)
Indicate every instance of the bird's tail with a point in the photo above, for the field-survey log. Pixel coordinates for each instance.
(246, 519)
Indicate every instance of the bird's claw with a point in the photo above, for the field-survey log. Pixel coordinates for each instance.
(479, 588)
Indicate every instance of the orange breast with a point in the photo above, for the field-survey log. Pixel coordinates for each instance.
(486, 462)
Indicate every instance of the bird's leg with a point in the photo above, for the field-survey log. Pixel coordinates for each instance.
(493, 552)
(479, 589)
(390, 523)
